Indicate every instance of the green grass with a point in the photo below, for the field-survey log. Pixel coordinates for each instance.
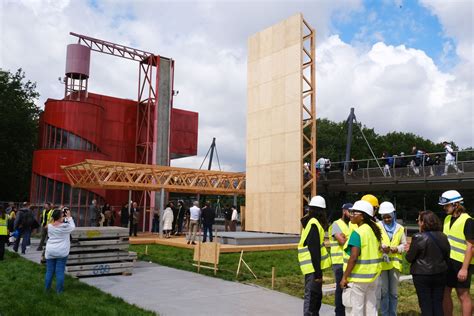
(22, 288)
(288, 275)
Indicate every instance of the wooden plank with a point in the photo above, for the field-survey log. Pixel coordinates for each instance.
(102, 267)
(209, 253)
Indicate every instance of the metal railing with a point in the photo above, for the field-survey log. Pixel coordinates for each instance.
(402, 167)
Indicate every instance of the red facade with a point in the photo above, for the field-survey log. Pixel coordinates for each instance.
(100, 127)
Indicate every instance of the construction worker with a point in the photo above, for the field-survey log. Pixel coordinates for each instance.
(45, 220)
(339, 233)
(3, 230)
(363, 267)
(374, 202)
(393, 244)
(459, 227)
(312, 254)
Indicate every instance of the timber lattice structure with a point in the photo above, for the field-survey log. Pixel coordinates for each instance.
(99, 174)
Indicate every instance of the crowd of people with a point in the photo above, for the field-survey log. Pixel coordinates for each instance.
(366, 253)
(414, 163)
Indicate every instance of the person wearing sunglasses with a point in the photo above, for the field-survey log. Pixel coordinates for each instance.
(363, 267)
(459, 227)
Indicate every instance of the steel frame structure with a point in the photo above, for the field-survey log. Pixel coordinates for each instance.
(147, 101)
(308, 113)
(100, 174)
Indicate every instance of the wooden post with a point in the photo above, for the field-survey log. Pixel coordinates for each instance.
(199, 256)
(240, 261)
(146, 249)
(273, 277)
(215, 252)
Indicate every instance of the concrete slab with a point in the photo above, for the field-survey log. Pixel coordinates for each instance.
(256, 238)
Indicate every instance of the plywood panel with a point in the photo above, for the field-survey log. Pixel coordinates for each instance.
(274, 145)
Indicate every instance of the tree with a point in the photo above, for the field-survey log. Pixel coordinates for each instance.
(19, 120)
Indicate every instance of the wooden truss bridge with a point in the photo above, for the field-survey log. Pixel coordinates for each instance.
(99, 174)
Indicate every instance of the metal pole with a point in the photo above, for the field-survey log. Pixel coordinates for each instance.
(235, 200)
(129, 206)
(162, 207)
(213, 145)
(350, 121)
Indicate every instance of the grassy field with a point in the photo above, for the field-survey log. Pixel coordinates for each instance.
(22, 288)
(288, 276)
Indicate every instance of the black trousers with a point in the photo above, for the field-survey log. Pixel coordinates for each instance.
(133, 229)
(430, 290)
(313, 294)
(3, 240)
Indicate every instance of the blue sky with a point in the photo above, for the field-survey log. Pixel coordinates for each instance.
(398, 23)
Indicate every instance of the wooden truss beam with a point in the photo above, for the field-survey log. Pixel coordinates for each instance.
(99, 174)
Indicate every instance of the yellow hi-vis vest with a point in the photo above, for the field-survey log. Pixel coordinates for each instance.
(46, 217)
(3, 226)
(395, 258)
(368, 265)
(337, 251)
(456, 237)
(304, 256)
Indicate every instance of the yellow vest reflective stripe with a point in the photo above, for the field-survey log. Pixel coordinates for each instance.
(337, 251)
(395, 258)
(3, 226)
(304, 256)
(368, 265)
(456, 237)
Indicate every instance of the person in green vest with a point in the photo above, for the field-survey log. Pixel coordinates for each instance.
(393, 245)
(459, 227)
(363, 267)
(313, 255)
(339, 233)
(3, 231)
(45, 220)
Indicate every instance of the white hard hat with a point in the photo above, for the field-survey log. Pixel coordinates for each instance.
(386, 208)
(363, 206)
(448, 197)
(318, 201)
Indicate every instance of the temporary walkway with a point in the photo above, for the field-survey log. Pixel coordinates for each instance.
(170, 291)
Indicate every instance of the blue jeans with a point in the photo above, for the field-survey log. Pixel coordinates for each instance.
(207, 228)
(340, 310)
(389, 299)
(56, 265)
(26, 235)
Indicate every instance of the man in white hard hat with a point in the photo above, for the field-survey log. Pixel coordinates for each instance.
(459, 227)
(312, 254)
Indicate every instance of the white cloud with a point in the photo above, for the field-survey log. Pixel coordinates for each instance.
(208, 42)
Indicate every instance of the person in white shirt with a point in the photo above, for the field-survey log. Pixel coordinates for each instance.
(57, 247)
(234, 219)
(195, 215)
(450, 159)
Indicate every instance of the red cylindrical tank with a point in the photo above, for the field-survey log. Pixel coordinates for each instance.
(78, 61)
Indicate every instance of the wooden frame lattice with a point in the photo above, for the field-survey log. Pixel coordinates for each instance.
(308, 113)
(98, 174)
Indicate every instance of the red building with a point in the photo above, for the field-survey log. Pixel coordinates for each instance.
(93, 126)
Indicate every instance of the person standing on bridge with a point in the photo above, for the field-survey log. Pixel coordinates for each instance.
(393, 245)
(339, 233)
(450, 160)
(459, 227)
(312, 254)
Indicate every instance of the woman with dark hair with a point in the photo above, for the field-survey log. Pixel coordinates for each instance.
(3, 231)
(429, 255)
(57, 247)
(363, 266)
(313, 255)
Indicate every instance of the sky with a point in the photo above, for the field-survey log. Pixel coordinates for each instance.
(403, 65)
